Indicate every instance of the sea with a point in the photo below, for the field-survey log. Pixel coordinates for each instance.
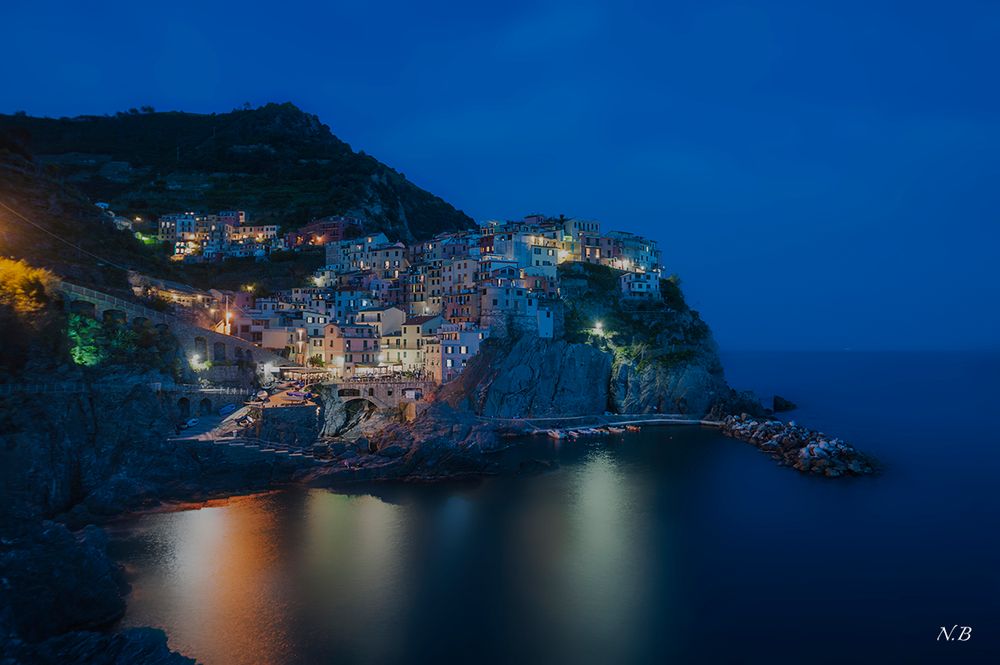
(669, 545)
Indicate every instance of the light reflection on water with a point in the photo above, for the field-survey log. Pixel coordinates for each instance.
(290, 577)
(672, 544)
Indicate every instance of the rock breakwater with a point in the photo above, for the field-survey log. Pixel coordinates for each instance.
(801, 448)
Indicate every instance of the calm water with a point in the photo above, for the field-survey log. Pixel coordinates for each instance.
(672, 545)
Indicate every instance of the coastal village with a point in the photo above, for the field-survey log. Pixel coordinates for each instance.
(380, 308)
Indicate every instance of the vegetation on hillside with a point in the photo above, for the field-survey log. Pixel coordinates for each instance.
(30, 323)
(66, 233)
(57, 227)
(280, 164)
(39, 338)
(107, 343)
(663, 331)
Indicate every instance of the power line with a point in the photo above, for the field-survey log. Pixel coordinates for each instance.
(63, 240)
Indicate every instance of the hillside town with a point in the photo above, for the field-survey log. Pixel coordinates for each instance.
(381, 308)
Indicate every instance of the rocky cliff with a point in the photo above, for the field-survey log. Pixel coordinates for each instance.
(531, 376)
(630, 357)
(59, 592)
(644, 356)
(94, 454)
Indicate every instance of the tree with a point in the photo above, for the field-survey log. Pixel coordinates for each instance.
(85, 335)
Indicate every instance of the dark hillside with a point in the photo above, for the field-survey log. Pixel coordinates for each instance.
(66, 232)
(280, 164)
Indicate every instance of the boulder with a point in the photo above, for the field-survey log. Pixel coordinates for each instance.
(55, 581)
(779, 404)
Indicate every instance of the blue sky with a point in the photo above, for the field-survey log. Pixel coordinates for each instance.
(821, 175)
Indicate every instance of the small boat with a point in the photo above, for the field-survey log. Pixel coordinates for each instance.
(616, 430)
(633, 428)
(556, 434)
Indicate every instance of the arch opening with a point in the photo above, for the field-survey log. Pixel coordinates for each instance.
(115, 316)
(83, 308)
(200, 349)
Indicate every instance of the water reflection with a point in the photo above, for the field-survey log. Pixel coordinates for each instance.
(219, 575)
(296, 577)
(670, 545)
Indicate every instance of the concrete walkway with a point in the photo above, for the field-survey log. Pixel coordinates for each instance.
(569, 423)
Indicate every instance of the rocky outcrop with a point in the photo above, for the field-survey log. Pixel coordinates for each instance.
(349, 418)
(664, 357)
(779, 404)
(735, 402)
(690, 386)
(444, 443)
(135, 646)
(533, 377)
(54, 582)
(84, 456)
(804, 449)
(58, 591)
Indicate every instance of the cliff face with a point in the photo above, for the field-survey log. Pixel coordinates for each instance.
(648, 356)
(533, 377)
(97, 454)
(280, 164)
(60, 592)
(61, 450)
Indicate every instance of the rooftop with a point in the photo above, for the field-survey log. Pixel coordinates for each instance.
(420, 320)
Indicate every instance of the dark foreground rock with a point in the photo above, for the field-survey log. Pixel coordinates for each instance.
(804, 449)
(136, 646)
(444, 443)
(58, 592)
(87, 457)
(779, 404)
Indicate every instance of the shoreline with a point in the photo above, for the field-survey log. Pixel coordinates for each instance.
(475, 458)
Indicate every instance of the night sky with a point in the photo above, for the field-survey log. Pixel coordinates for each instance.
(821, 175)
